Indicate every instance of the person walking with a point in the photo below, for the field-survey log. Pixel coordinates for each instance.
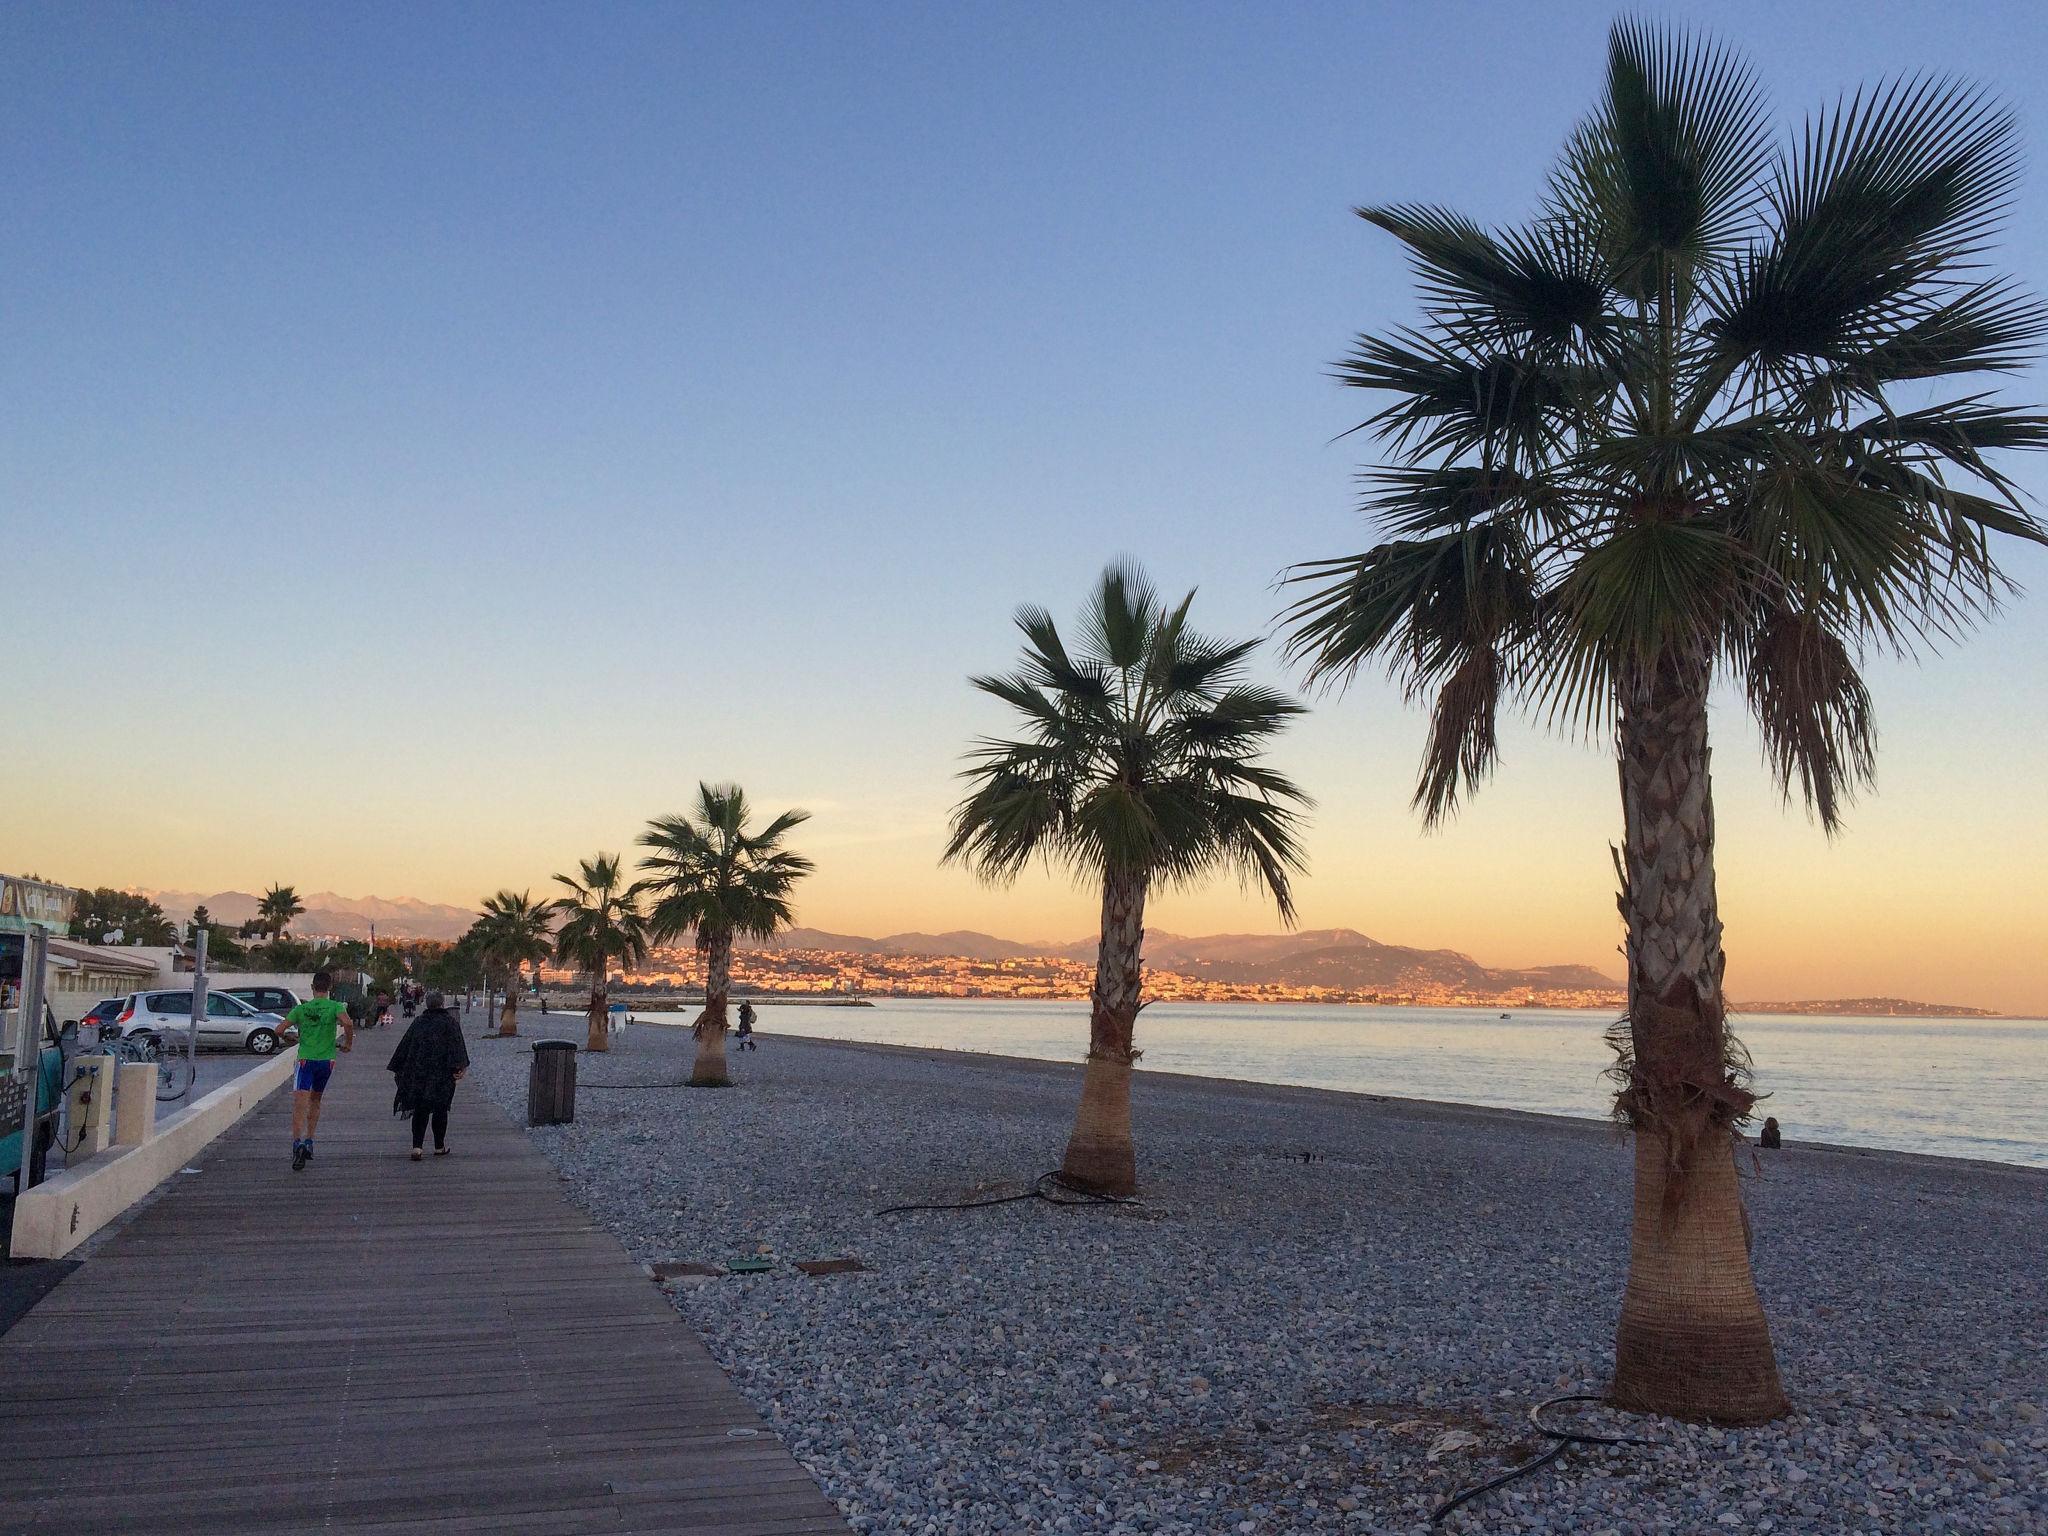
(317, 1022)
(747, 1016)
(430, 1060)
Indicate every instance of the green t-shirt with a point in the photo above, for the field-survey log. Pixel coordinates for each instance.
(316, 1020)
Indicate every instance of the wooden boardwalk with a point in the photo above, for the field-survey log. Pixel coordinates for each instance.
(375, 1345)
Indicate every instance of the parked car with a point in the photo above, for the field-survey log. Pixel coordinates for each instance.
(277, 1000)
(229, 1021)
(102, 1014)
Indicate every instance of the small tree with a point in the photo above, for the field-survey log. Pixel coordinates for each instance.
(516, 934)
(709, 876)
(601, 924)
(1141, 763)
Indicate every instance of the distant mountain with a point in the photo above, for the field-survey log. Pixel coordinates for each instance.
(1341, 958)
(1348, 960)
(1872, 1008)
(961, 944)
(401, 917)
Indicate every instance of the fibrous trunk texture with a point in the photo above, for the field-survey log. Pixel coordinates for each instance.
(508, 1010)
(709, 1070)
(1693, 1341)
(600, 1034)
(1100, 1155)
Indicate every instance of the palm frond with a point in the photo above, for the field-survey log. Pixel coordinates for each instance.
(1810, 702)
(1124, 776)
(1665, 173)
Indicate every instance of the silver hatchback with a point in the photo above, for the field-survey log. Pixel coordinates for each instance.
(229, 1021)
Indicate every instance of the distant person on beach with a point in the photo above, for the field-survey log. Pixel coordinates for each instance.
(747, 1027)
(1770, 1135)
(316, 1022)
(430, 1060)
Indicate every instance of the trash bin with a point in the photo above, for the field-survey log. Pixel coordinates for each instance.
(551, 1089)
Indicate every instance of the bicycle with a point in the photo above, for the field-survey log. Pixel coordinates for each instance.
(174, 1069)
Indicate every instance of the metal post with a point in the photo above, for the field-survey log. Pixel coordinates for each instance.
(35, 955)
(198, 998)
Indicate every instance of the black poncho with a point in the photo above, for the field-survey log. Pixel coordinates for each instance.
(426, 1062)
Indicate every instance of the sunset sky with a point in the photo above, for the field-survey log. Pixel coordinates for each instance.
(434, 437)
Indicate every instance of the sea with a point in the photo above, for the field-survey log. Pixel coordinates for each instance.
(1974, 1088)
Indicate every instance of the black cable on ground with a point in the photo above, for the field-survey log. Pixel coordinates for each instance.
(1564, 1438)
(1072, 1196)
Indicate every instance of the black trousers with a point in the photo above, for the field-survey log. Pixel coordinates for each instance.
(420, 1117)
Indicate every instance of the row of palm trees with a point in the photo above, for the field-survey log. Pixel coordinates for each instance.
(707, 874)
(1687, 422)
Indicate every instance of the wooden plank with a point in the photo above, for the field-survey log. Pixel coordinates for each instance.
(380, 1346)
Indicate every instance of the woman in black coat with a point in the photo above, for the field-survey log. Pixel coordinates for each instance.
(429, 1061)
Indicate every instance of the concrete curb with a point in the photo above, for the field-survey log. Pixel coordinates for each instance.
(62, 1212)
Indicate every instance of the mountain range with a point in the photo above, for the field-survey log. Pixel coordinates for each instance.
(1329, 957)
(402, 917)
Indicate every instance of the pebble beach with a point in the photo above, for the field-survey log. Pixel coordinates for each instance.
(1328, 1312)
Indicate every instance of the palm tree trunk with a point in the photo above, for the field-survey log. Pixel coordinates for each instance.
(600, 1032)
(1100, 1155)
(709, 1070)
(508, 1009)
(1693, 1341)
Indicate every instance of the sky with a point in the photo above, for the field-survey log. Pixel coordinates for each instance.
(435, 437)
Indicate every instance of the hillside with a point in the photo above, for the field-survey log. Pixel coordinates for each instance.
(1340, 958)
(402, 917)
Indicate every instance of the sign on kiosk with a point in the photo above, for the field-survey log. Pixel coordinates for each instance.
(34, 902)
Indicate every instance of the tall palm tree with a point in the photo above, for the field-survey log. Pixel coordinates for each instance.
(708, 875)
(1141, 764)
(276, 909)
(516, 933)
(601, 924)
(1705, 414)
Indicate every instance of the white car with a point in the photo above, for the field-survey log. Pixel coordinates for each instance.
(165, 1016)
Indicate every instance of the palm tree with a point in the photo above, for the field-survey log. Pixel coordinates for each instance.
(1140, 764)
(278, 906)
(1691, 420)
(601, 922)
(708, 875)
(516, 931)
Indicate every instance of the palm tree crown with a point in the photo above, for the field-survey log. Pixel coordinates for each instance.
(1692, 416)
(1141, 755)
(516, 930)
(601, 921)
(277, 907)
(707, 873)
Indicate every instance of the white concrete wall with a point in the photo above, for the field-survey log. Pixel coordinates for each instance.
(63, 1211)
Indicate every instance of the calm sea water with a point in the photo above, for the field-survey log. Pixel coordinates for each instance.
(1956, 1087)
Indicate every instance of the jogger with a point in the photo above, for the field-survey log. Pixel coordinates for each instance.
(316, 1021)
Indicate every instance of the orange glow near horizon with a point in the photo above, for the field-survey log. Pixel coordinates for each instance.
(1927, 896)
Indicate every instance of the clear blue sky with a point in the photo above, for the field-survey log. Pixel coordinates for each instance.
(548, 405)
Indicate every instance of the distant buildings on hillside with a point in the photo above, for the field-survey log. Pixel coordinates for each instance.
(828, 972)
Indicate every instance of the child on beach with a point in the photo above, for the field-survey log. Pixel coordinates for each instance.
(746, 1030)
(316, 1022)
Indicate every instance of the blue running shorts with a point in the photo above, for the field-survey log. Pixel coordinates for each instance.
(312, 1076)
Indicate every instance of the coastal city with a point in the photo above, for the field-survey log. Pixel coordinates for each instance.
(828, 973)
